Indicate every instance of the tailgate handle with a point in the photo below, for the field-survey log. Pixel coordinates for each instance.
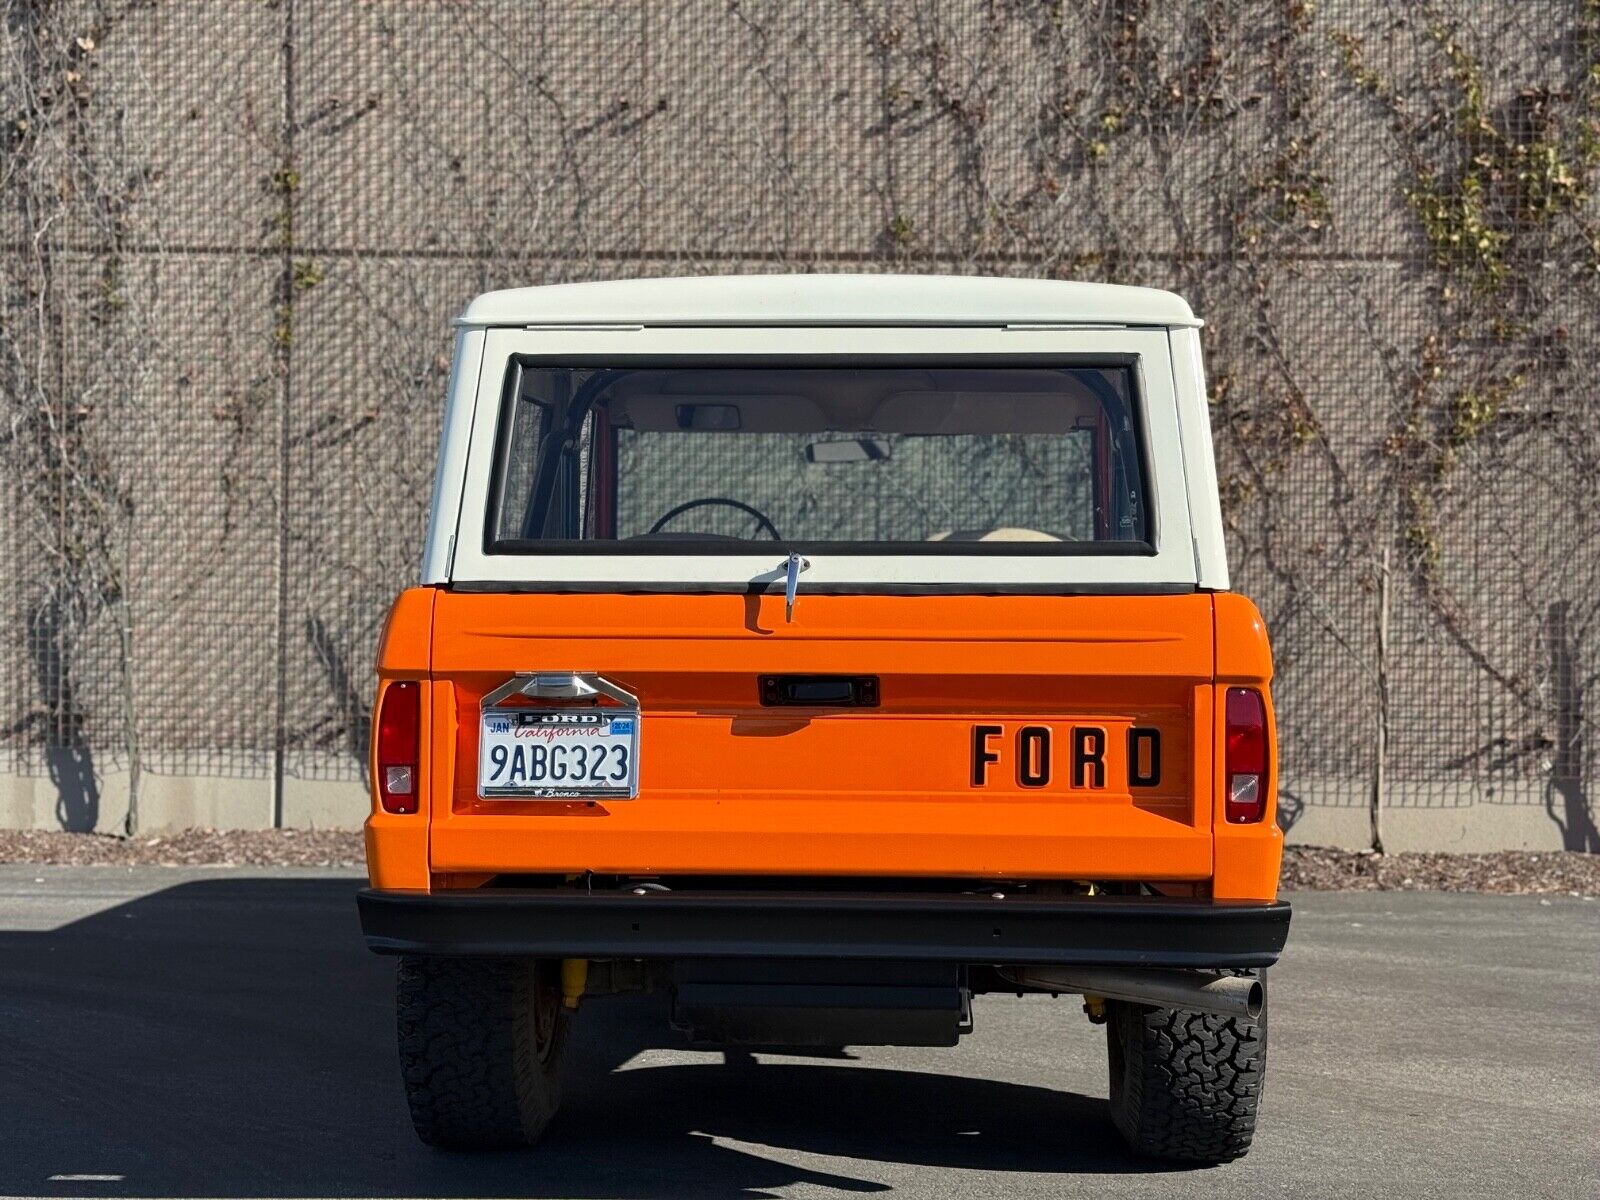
(819, 691)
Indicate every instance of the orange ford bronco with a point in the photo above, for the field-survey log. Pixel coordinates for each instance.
(823, 652)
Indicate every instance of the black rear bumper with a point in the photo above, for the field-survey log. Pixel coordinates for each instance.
(1151, 931)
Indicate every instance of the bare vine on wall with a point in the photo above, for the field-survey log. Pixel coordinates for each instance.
(69, 360)
(1498, 181)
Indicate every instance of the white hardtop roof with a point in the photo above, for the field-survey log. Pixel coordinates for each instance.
(830, 300)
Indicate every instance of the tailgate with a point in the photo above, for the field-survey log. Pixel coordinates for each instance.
(1010, 736)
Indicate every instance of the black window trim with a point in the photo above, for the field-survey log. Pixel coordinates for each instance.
(584, 547)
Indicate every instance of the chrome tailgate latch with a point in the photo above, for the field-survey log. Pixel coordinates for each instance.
(791, 583)
(561, 685)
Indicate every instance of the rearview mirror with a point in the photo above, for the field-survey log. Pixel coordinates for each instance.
(715, 418)
(849, 450)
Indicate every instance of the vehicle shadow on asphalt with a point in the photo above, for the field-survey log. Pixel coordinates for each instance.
(234, 1038)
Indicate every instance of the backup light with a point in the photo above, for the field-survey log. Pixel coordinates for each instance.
(1246, 762)
(397, 747)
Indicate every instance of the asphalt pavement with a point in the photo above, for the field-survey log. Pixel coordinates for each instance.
(224, 1033)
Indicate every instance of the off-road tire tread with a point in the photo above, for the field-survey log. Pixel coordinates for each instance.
(472, 1076)
(1190, 1084)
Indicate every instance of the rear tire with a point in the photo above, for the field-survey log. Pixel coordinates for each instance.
(1185, 1086)
(480, 1049)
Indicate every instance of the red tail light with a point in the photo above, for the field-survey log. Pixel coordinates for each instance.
(1246, 757)
(397, 748)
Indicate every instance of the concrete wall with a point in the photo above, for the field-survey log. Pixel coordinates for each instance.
(67, 794)
(228, 266)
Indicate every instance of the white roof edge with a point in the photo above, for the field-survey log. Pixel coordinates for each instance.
(830, 300)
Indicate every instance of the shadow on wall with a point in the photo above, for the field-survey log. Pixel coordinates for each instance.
(70, 763)
(77, 789)
(234, 1038)
(1576, 817)
(1290, 809)
(352, 701)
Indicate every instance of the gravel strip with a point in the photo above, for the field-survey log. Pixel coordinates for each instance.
(1508, 872)
(1305, 868)
(186, 848)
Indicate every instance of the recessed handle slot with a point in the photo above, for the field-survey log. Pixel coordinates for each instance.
(819, 691)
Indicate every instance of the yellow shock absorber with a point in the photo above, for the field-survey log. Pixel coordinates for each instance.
(574, 977)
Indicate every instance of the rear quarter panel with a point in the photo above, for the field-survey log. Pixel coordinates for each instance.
(1248, 857)
(397, 843)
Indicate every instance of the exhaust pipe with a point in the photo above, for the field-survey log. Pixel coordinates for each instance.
(1226, 995)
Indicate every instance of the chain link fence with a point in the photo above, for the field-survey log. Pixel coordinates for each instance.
(232, 234)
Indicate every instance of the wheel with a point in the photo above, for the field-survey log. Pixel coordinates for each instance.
(1185, 1085)
(480, 1049)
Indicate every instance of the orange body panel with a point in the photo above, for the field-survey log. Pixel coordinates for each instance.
(1247, 856)
(728, 786)
(397, 844)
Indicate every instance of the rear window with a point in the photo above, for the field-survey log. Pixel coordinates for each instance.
(946, 459)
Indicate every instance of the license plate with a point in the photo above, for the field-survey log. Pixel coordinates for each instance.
(558, 754)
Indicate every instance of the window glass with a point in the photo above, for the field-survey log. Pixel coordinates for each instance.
(806, 456)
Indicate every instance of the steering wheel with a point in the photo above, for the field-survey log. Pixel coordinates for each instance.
(708, 501)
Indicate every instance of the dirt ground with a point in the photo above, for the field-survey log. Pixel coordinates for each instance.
(187, 848)
(1305, 868)
(1512, 872)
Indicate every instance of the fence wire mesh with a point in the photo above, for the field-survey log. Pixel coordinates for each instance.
(234, 232)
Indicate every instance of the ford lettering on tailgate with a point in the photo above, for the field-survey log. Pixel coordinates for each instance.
(1039, 755)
